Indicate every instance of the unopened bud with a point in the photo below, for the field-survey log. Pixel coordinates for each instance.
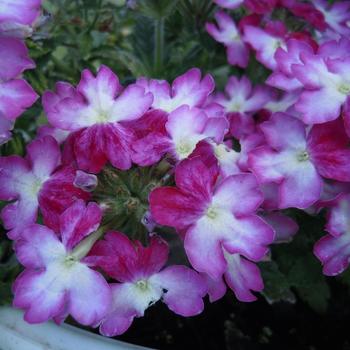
(84, 181)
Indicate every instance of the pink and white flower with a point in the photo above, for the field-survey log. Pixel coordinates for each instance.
(283, 76)
(56, 282)
(97, 111)
(333, 250)
(187, 89)
(33, 180)
(337, 15)
(266, 41)
(143, 281)
(241, 275)
(184, 128)
(298, 162)
(326, 81)
(214, 215)
(240, 101)
(228, 34)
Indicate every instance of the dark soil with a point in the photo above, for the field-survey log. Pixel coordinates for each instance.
(230, 325)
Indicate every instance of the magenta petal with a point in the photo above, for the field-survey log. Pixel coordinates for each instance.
(5, 129)
(37, 246)
(170, 207)
(185, 290)
(191, 89)
(97, 144)
(330, 154)
(20, 11)
(300, 189)
(187, 179)
(285, 227)
(12, 169)
(243, 276)
(203, 249)
(78, 221)
(15, 97)
(44, 155)
(57, 194)
(90, 296)
(150, 149)
(338, 219)
(248, 236)
(14, 58)
(216, 287)
(18, 215)
(240, 193)
(33, 293)
(122, 312)
(334, 253)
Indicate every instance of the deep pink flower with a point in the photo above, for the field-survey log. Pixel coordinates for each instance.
(298, 162)
(56, 282)
(33, 180)
(97, 110)
(216, 216)
(333, 250)
(143, 281)
(308, 11)
(228, 34)
(183, 129)
(260, 6)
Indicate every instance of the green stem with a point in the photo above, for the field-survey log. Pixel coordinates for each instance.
(159, 45)
(83, 248)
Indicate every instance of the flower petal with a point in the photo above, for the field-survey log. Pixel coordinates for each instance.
(185, 289)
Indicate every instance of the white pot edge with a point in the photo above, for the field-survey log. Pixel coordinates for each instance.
(16, 334)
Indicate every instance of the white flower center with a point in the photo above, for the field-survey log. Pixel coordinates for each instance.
(142, 285)
(220, 151)
(184, 149)
(303, 156)
(344, 89)
(212, 213)
(69, 261)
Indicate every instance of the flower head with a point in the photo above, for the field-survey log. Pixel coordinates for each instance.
(56, 282)
(143, 281)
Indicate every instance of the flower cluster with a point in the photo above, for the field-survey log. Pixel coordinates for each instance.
(214, 168)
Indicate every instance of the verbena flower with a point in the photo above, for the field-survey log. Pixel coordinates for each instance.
(143, 281)
(215, 215)
(56, 282)
(36, 180)
(298, 162)
(97, 111)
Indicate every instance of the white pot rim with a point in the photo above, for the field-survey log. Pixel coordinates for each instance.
(16, 334)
